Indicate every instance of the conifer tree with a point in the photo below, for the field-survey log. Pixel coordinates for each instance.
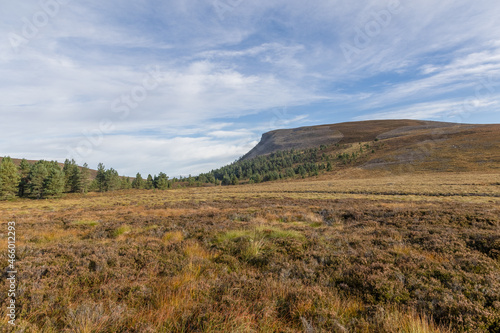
(101, 178)
(162, 181)
(226, 180)
(112, 181)
(190, 181)
(125, 183)
(38, 174)
(85, 178)
(24, 171)
(75, 180)
(9, 179)
(72, 177)
(149, 183)
(138, 182)
(67, 169)
(234, 180)
(53, 185)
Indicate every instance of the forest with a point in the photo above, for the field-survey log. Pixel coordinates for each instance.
(44, 179)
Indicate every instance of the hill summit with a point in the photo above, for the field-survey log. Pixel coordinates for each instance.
(430, 145)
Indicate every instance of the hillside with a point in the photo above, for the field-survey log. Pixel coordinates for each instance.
(423, 145)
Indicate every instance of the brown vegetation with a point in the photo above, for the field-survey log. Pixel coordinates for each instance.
(394, 254)
(397, 146)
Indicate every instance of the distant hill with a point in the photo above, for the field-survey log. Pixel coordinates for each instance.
(425, 145)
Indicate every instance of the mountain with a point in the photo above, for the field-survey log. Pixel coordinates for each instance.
(425, 145)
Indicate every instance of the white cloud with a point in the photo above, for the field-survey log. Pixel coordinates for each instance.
(261, 56)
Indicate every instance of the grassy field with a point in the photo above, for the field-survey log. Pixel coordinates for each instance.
(409, 253)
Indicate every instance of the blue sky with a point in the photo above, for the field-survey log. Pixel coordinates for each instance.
(186, 86)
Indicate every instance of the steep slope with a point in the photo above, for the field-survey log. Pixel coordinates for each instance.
(400, 144)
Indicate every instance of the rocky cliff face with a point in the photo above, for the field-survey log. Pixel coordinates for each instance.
(298, 138)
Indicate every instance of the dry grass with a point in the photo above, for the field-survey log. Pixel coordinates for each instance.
(387, 254)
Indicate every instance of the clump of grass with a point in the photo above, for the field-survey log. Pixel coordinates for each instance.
(254, 246)
(151, 227)
(195, 251)
(124, 229)
(91, 223)
(278, 233)
(172, 237)
(260, 232)
(409, 322)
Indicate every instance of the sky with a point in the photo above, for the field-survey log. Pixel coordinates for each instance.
(186, 86)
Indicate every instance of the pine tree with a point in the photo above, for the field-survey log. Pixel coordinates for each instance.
(162, 181)
(234, 180)
(101, 178)
(190, 181)
(85, 178)
(149, 183)
(226, 180)
(93, 186)
(37, 178)
(72, 177)
(24, 170)
(53, 185)
(67, 169)
(125, 183)
(138, 182)
(76, 180)
(302, 171)
(10, 179)
(112, 181)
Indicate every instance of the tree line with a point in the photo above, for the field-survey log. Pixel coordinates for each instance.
(45, 179)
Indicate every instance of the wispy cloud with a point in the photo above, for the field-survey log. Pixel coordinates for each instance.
(225, 80)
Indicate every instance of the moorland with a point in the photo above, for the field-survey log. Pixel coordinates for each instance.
(402, 236)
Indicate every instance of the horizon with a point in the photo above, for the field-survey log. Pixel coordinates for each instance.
(184, 87)
(94, 168)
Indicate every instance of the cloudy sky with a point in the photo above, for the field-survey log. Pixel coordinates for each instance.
(184, 86)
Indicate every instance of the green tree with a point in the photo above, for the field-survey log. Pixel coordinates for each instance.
(162, 181)
(202, 179)
(149, 183)
(190, 181)
(138, 182)
(85, 178)
(302, 171)
(226, 180)
(24, 171)
(53, 185)
(234, 180)
(93, 186)
(112, 180)
(101, 178)
(72, 177)
(9, 179)
(67, 169)
(125, 183)
(38, 174)
(256, 178)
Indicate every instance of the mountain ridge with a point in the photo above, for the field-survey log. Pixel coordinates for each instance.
(425, 145)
